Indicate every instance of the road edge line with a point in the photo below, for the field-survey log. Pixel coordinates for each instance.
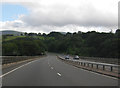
(16, 69)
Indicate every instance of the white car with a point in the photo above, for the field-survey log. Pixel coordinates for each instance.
(76, 57)
(67, 57)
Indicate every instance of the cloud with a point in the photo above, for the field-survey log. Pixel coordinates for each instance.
(66, 15)
(59, 14)
(18, 25)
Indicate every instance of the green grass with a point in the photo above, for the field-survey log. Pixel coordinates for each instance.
(43, 38)
(8, 38)
(11, 38)
(38, 37)
(50, 38)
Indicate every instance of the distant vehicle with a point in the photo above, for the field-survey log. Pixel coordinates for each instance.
(67, 57)
(42, 53)
(76, 57)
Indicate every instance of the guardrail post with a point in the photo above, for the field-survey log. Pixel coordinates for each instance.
(103, 67)
(84, 64)
(97, 66)
(77, 62)
(92, 65)
(111, 69)
(81, 63)
(88, 64)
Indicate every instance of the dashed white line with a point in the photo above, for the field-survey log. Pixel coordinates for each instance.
(48, 63)
(59, 74)
(15, 69)
(51, 67)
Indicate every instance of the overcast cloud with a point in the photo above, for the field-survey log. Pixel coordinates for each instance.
(66, 15)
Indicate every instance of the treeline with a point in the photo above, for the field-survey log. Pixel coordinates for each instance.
(92, 43)
(25, 46)
(86, 44)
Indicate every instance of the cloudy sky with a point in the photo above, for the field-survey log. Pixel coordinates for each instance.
(59, 15)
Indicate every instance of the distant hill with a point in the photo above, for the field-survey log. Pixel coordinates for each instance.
(16, 33)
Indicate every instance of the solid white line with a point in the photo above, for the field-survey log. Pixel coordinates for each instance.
(15, 69)
(59, 74)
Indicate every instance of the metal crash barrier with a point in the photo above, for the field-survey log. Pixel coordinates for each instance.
(94, 65)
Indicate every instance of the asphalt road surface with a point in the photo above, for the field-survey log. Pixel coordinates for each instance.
(50, 71)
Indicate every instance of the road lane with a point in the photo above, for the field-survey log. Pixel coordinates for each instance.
(82, 77)
(50, 71)
(37, 73)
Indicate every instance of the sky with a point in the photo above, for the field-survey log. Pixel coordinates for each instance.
(11, 12)
(59, 15)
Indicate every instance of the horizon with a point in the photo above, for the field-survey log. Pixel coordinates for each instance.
(59, 31)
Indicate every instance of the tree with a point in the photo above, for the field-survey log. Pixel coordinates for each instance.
(9, 49)
(39, 34)
(25, 33)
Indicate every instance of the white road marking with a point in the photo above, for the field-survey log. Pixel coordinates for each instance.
(59, 74)
(51, 67)
(15, 69)
(49, 63)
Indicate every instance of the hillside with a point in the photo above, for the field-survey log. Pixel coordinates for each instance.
(6, 32)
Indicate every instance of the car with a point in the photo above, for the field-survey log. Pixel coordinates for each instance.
(67, 57)
(76, 57)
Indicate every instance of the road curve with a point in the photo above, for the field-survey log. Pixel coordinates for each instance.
(50, 71)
